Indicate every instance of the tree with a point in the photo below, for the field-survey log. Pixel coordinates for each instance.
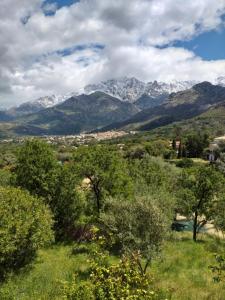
(35, 168)
(179, 155)
(106, 171)
(25, 226)
(196, 143)
(137, 225)
(154, 172)
(67, 202)
(198, 197)
(157, 147)
(174, 145)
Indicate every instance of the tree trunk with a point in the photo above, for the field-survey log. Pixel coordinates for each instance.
(98, 197)
(195, 226)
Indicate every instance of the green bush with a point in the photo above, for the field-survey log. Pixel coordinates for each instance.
(80, 249)
(119, 281)
(78, 291)
(5, 177)
(185, 163)
(219, 269)
(25, 226)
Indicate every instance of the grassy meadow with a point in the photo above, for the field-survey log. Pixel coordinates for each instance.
(182, 268)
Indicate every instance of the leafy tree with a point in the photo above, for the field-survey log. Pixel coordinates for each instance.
(219, 213)
(136, 225)
(179, 155)
(157, 147)
(35, 169)
(106, 171)
(196, 143)
(25, 226)
(201, 188)
(67, 202)
(174, 145)
(155, 173)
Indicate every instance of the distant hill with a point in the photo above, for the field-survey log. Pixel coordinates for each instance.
(179, 106)
(212, 121)
(75, 115)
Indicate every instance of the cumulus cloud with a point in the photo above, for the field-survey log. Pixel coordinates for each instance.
(135, 38)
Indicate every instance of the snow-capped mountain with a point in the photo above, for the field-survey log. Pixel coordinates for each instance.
(131, 89)
(49, 101)
(144, 95)
(220, 81)
(38, 104)
(126, 89)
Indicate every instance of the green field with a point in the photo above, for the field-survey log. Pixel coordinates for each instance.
(182, 269)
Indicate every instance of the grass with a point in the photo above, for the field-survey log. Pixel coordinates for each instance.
(183, 269)
(41, 281)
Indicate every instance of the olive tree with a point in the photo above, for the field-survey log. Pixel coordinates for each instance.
(137, 225)
(106, 171)
(198, 197)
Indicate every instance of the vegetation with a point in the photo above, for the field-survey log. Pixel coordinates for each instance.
(35, 168)
(111, 207)
(200, 195)
(106, 171)
(26, 225)
(137, 227)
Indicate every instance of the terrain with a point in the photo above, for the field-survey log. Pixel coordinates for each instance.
(76, 114)
(183, 105)
(122, 104)
(181, 269)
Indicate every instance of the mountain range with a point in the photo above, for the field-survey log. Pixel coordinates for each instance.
(125, 103)
(179, 106)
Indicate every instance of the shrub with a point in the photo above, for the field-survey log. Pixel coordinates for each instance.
(77, 291)
(219, 269)
(185, 163)
(80, 249)
(119, 281)
(25, 226)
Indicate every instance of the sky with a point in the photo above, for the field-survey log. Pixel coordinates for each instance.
(58, 46)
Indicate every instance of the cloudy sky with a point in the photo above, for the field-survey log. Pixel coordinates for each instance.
(58, 46)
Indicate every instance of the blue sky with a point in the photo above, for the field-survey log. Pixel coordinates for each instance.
(61, 3)
(209, 45)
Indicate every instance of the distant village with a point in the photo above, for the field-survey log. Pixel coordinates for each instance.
(73, 140)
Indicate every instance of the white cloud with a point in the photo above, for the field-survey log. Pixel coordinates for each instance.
(130, 30)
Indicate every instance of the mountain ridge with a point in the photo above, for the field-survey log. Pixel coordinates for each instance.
(181, 105)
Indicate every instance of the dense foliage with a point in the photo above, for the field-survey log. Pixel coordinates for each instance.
(105, 170)
(35, 168)
(200, 195)
(129, 193)
(136, 225)
(118, 281)
(25, 226)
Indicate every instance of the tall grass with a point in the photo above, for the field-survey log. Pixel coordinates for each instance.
(183, 269)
